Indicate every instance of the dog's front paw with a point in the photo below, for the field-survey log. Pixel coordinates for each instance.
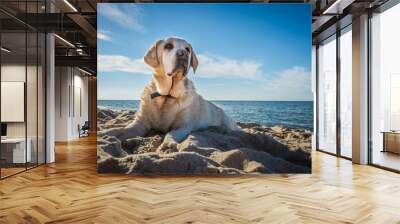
(168, 147)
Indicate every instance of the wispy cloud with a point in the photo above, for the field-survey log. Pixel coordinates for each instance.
(103, 35)
(212, 66)
(126, 15)
(119, 63)
(290, 84)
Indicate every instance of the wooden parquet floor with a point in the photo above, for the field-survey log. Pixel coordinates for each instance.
(70, 191)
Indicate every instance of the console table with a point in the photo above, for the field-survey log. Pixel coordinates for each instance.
(13, 150)
(391, 141)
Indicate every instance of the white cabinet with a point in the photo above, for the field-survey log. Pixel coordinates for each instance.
(17, 147)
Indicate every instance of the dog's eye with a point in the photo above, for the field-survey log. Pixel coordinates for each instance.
(169, 46)
(187, 49)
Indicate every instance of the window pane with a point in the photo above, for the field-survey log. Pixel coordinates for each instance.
(346, 93)
(327, 95)
(14, 153)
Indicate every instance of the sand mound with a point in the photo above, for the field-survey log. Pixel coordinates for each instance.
(255, 149)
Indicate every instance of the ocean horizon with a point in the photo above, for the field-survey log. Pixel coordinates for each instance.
(293, 114)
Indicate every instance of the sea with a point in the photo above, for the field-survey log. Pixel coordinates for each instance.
(293, 114)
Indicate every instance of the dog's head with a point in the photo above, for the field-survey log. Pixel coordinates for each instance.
(171, 56)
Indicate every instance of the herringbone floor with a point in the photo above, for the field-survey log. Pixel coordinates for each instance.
(70, 191)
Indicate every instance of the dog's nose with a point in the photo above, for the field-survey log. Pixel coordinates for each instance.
(181, 53)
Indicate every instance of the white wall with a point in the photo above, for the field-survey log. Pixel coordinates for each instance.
(62, 82)
(70, 83)
(81, 94)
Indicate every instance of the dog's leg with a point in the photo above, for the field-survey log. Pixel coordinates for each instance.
(173, 138)
(135, 129)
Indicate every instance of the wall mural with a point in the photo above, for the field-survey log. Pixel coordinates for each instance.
(204, 89)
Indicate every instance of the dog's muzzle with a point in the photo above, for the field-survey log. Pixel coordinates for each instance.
(181, 66)
(181, 62)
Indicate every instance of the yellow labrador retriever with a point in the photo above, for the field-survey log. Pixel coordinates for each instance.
(170, 103)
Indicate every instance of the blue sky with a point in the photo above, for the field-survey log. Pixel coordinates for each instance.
(245, 51)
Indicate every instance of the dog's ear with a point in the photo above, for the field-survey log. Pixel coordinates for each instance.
(151, 56)
(193, 60)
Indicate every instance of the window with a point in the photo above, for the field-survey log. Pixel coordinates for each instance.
(385, 89)
(329, 111)
(346, 92)
(22, 77)
(327, 95)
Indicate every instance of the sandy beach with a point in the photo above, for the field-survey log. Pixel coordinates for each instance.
(255, 149)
